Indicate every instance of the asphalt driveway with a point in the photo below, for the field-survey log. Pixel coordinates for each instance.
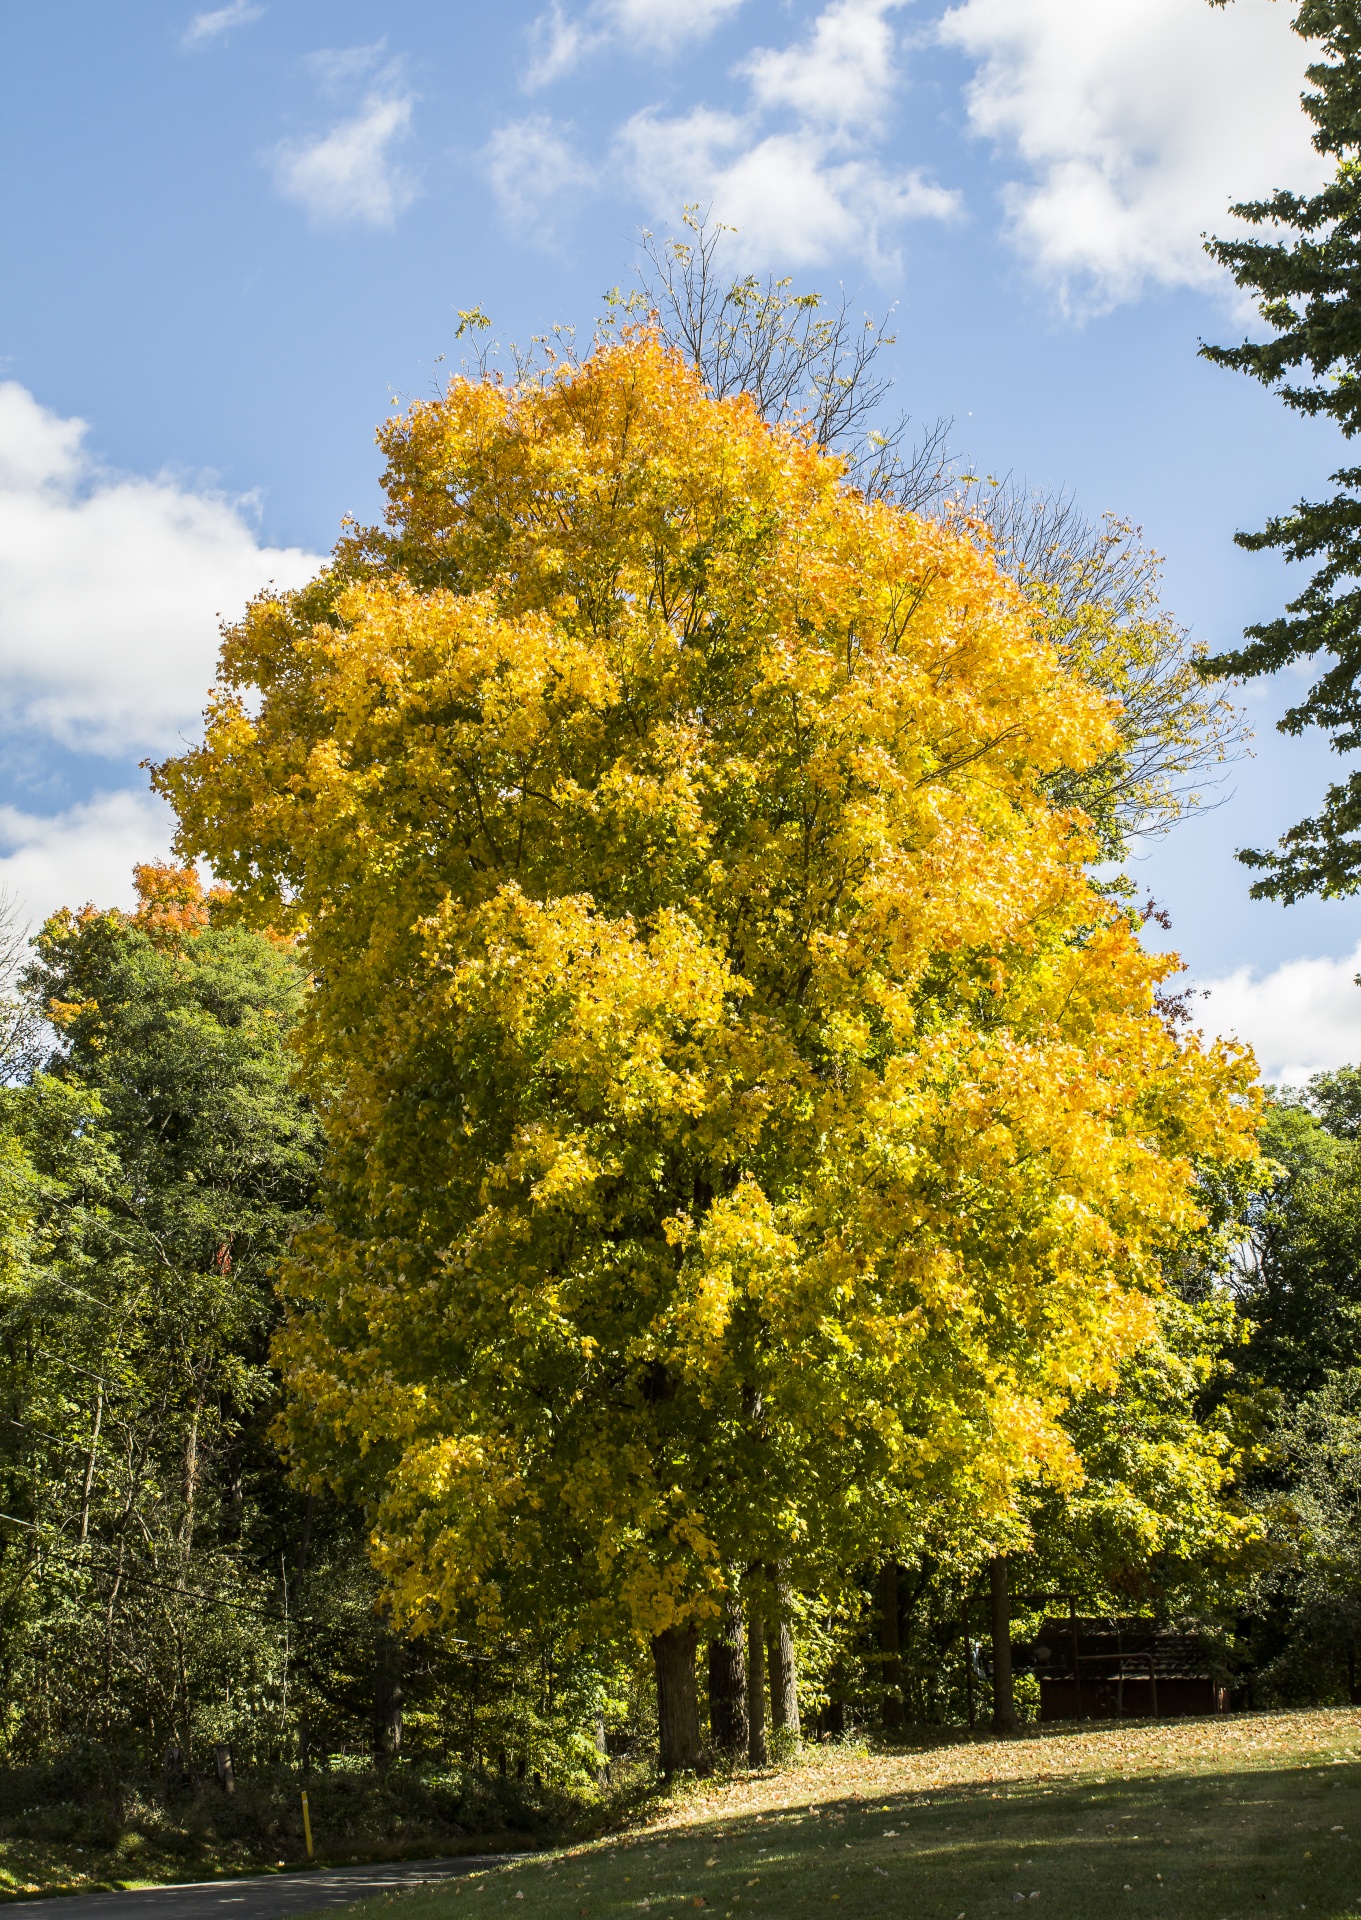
(269, 1896)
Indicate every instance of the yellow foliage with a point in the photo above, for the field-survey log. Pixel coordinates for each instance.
(749, 1125)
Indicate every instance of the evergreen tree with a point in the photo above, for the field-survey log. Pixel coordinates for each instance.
(1306, 289)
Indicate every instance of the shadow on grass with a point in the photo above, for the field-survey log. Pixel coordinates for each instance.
(1212, 1845)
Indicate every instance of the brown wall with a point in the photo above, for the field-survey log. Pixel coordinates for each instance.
(1101, 1699)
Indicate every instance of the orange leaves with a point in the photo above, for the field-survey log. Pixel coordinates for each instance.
(171, 900)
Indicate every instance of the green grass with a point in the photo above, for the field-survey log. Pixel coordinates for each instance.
(1191, 1821)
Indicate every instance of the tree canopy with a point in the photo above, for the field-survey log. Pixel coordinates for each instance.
(154, 1169)
(748, 1123)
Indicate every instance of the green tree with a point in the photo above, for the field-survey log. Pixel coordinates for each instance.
(1308, 1598)
(1299, 1277)
(165, 1161)
(1305, 288)
(1298, 1285)
(1157, 1522)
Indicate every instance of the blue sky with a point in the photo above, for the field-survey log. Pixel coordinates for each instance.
(232, 234)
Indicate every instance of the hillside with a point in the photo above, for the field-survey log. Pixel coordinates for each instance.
(1249, 1815)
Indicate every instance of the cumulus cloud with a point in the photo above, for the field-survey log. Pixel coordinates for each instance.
(219, 20)
(110, 588)
(786, 194)
(559, 40)
(351, 172)
(1299, 1019)
(85, 854)
(796, 192)
(841, 76)
(793, 170)
(1135, 123)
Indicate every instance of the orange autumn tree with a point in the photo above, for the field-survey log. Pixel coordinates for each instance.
(748, 1124)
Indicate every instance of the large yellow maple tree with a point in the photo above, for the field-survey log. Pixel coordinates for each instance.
(749, 1124)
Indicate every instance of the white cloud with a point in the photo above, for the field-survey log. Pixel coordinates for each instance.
(529, 162)
(798, 194)
(1136, 123)
(666, 22)
(1303, 1017)
(85, 854)
(841, 76)
(351, 173)
(220, 20)
(792, 171)
(110, 588)
(339, 67)
(559, 41)
(788, 197)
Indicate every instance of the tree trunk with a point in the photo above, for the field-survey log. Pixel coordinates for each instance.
(90, 1460)
(784, 1671)
(892, 1666)
(1003, 1698)
(728, 1685)
(673, 1653)
(757, 1754)
(387, 1696)
(191, 1479)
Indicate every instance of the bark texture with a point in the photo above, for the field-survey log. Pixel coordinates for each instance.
(673, 1654)
(387, 1696)
(784, 1670)
(728, 1725)
(757, 1751)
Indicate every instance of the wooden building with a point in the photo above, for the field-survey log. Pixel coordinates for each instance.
(1112, 1669)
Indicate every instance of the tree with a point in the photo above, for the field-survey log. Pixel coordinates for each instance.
(165, 1160)
(1299, 1298)
(1308, 1597)
(1299, 1280)
(22, 1040)
(1095, 588)
(805, 361)
(1305, 293)
(1158, 1522)
(748, 1123)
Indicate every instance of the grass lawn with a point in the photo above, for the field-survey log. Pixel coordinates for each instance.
(1251, 1815)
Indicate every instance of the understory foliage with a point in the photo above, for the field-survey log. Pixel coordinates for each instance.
(1299, 1291)
(749, 1129)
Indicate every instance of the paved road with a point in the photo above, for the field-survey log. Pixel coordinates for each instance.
(269, 1896)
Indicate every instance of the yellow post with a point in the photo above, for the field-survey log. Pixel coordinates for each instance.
(306, 1824)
